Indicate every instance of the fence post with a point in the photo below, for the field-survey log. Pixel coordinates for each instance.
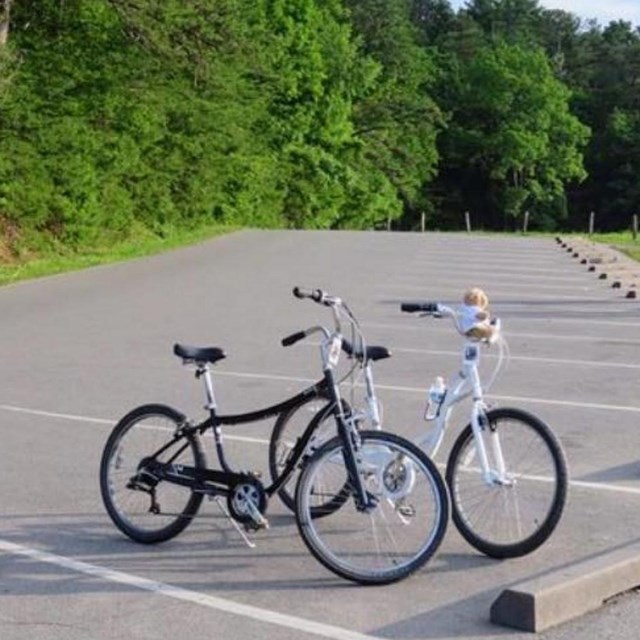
(423, 221)
(525, 222)
(634, 226)
(592, 218)
(467, 220)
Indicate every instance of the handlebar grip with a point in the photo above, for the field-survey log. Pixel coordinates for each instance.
(316, 294)
(425, 307)
(293, 338)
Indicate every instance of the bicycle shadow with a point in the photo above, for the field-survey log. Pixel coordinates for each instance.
(210, 549)
(627, 471)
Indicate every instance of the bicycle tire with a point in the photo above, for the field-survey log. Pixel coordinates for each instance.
(289, 427)
(400, 534)
(137, 435)
(512, 518)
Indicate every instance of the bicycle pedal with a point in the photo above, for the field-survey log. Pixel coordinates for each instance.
(407, 511)
(252, 525)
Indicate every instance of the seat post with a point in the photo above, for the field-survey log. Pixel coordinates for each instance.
(205, 372)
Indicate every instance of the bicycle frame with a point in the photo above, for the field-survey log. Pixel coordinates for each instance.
(466, 382)
(319, 389)
(220, 482)
(222, 479)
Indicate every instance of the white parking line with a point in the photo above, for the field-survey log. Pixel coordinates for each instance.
(498, 292)
(577, 279)
(601, 486)
(596, 486)
(467, 265)
(580, 363)
(76, 418)
(420, 390)
(192, 597)
(562, 361)
(513, 334)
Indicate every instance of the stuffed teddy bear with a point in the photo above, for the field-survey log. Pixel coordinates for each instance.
(473, 316)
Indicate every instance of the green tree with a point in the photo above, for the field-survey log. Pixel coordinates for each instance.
(516, 21)
(605, 71)
(512, 131)
(397, 120)
(138, 117)
(5, 15)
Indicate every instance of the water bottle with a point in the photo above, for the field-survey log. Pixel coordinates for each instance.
(435, 397)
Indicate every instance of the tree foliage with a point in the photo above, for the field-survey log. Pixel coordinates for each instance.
(121, 117)
(511, 129)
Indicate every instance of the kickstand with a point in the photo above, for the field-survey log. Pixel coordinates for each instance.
(238, 528)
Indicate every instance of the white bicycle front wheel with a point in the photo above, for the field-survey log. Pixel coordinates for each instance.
(516, 510)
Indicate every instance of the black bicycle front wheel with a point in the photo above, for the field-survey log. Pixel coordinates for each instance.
(144, 507)
(516, 510)
(398, 533)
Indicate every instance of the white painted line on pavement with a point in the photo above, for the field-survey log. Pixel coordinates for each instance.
(186, 595)
(49, 414)
(577, 280)
(600, 486)
(513, 334)
(581, 363)
(478, 266)
(76, 418)
(388, 387)
(437, 352)
(527, 399)
(497, 292)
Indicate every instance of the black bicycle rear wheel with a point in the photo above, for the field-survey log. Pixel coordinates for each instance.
(142, 506)
(318, 415)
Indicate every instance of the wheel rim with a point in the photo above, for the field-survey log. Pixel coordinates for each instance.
(510, 507)
(394, 538)
(132, 501)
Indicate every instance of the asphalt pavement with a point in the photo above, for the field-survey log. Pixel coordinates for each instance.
(79, 350)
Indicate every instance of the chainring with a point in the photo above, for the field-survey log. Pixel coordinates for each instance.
(249, 491)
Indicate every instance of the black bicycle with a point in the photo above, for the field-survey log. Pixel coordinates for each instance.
(370, 505)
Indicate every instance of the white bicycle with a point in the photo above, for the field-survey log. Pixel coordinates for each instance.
(507, 472)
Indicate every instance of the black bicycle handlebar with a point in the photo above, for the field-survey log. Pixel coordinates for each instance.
(293, 338)
(316, 295)
(424, 307)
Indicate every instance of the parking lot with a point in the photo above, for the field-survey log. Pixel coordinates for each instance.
(81, 349)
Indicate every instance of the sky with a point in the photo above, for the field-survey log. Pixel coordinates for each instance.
(602, 10)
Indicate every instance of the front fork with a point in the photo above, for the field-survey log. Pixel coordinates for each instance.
(484, 434)
(482, 429)
(351, 442)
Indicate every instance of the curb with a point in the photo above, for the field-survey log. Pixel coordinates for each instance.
(624, 271)
(564, 594)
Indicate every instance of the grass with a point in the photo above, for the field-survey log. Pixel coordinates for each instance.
(51, 262)
(622, 240)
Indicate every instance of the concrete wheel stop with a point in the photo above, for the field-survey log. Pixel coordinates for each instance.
(564, 594)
